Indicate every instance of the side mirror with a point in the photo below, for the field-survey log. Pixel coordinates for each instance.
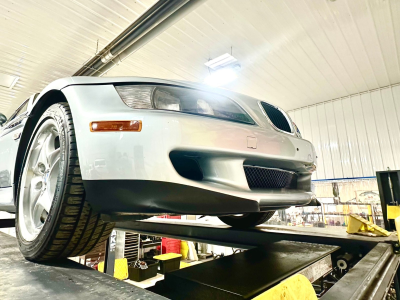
(3, 119)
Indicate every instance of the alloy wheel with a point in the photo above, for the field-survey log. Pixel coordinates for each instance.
(39, 179)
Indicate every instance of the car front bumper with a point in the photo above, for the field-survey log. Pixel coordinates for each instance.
(132, 172)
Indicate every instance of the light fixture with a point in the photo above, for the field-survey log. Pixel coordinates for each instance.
(8, 81)
(225, 68)
(221, 61)
(221, 77)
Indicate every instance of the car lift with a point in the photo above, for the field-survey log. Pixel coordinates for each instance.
(371, 276)
(369, 265)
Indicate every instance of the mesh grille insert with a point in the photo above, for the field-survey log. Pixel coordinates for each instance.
(265, 178)
(276, 116)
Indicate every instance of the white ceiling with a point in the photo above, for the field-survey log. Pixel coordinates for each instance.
(42, 40)
(293, 53)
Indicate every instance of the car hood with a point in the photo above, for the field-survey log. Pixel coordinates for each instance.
(249, 104)
(59, 84)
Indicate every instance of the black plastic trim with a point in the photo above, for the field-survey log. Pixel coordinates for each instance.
(155, 197)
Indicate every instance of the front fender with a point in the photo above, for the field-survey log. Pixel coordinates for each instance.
(43, 101)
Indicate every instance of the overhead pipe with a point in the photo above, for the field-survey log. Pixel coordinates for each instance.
(149, 25)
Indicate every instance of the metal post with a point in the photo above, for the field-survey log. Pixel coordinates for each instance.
(389, 190)
(109, 260)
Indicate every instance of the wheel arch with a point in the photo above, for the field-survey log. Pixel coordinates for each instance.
(44, 102)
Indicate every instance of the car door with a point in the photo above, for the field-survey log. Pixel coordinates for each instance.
(9, 142)
(10, 135)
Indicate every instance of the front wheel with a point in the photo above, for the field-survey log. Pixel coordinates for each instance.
(247, 220)
(53, 219)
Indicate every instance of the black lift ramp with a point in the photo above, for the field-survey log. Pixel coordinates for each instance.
(62, 280)
(261, 235)
(244, 275)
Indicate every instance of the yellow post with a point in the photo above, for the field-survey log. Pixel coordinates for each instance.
(120, 268)
(393, 211)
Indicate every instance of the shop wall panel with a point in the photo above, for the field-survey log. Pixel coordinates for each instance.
(325, 141)
(365, 157)
(342, 138)
(382, 129)
(372, 134)
(316, 140)
(306, 130)
(354, 136)
(396, 100)
(333, 140)
(392, 124)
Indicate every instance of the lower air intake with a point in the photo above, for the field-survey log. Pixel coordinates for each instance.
(268, 178)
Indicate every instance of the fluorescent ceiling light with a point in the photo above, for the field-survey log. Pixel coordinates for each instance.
(221, 77)
(221, 61)
(8, 81)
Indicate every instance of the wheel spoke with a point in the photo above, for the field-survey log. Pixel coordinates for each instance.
(36, 214)
(44, 202)
(34, 159)
(35, 189)
(53, 157)
(46, 149)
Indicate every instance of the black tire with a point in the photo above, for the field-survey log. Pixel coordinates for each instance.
(247, 220)
(71, 228)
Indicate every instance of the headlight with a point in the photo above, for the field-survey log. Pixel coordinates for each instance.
(296, 130)
(184, 100)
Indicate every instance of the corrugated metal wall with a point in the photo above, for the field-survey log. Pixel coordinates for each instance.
(354, 136)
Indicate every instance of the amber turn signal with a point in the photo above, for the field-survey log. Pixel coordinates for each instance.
(103, 126)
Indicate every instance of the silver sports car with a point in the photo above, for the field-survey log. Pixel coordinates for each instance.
(87, 151)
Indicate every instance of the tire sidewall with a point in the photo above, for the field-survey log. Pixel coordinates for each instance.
(33, 249)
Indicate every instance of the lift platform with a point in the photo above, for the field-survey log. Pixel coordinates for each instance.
(275, 253)
(63, 280)
(248, 274)
(375, 258)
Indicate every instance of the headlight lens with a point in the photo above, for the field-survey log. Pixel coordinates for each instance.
(136, 96)
(183, 100)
